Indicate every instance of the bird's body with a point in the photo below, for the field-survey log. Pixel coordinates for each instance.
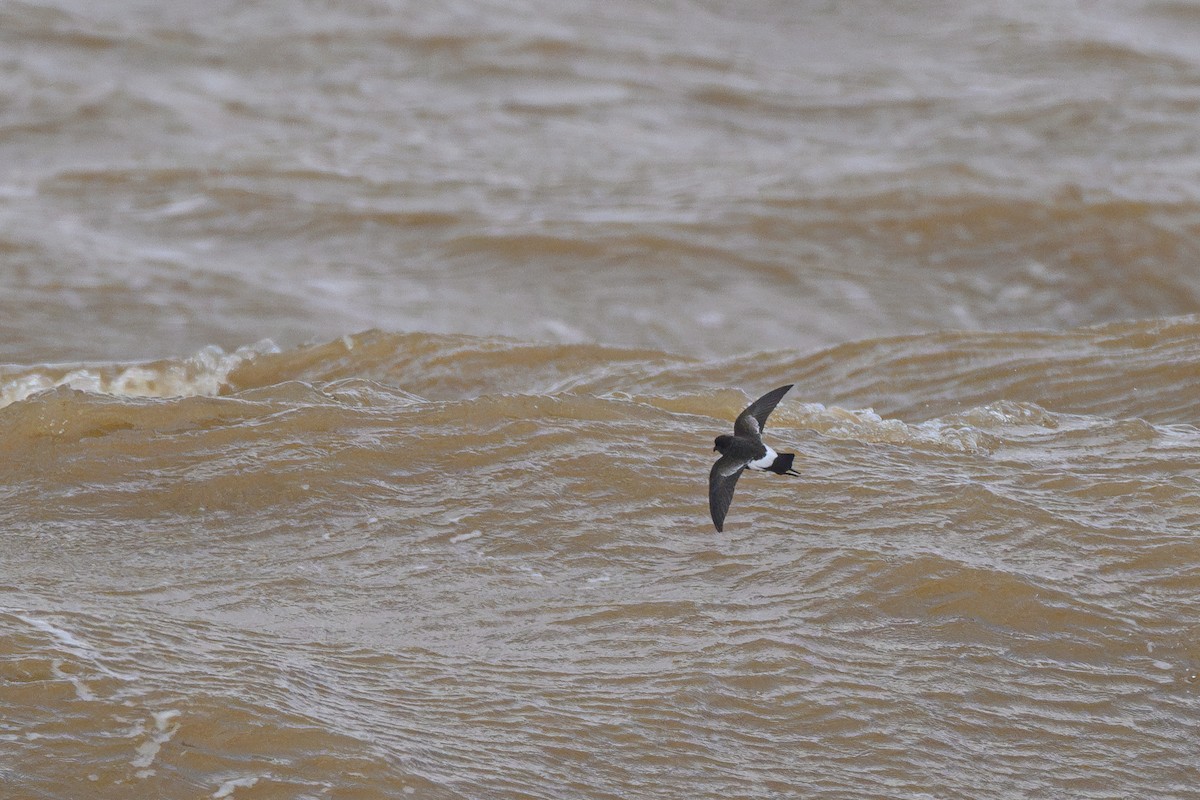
(745, 450)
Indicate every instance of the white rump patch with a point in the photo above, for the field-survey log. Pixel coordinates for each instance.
(765, 461)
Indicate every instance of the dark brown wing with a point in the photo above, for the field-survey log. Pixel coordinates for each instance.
(752, 421)
(721, 481)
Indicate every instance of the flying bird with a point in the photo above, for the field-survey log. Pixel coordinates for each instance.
(745, 449)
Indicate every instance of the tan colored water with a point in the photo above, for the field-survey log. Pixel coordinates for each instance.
(362, 364)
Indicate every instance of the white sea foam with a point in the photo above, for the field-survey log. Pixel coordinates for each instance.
(228, 787)
(76, 646)
(81, 689)
(65, 637)
(164, 728)
(868, 426)
(201, 374)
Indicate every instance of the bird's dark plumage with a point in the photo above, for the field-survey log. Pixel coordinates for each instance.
(745, 449)
(752, 421)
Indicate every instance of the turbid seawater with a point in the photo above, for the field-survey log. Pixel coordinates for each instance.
(360, 366)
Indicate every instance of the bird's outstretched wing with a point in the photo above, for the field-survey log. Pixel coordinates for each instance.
(752, 421)
(721, 481)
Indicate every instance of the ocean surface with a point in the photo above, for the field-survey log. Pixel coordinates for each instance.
(360, 365)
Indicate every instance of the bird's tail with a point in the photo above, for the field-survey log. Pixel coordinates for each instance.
(782, 465)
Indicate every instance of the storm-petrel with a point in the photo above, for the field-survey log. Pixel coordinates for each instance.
(745, 449)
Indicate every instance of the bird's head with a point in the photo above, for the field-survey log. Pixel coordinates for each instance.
(721, 443)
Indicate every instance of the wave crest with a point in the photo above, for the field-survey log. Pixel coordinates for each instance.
(203, 374)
